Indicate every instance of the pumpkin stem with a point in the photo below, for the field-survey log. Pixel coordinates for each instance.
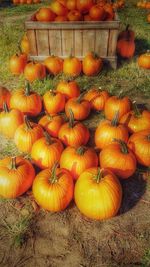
(71, 118)
(13, 163)
(123, 145)
(48, 138)
(98, 176)
(52, 92)
(81, 150)
(135, 109)
(127, 27)
(27, 123)
(27, 88)
(79, 98)
(115, 119)
(54, 178)
(5, 107)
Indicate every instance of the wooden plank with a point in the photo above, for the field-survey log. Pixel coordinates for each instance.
(88, 41)
(32, 41)
(101, 42)
(55, 42)
(42, 42)
(78, 43)
(67, 42)
(113, 35)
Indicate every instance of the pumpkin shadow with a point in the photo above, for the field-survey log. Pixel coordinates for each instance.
(133, 189)
(141, 46)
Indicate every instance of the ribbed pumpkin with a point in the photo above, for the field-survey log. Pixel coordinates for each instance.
(17, 63)
(72, 66)
(114, 104)
(27, 101)
(92, 64)
(34, 71)
(136, 120)
(69, 89)
(53, 189)
(82, 158)
(144, 60)
(119, 159)
(52, 124)
(10, 121)
(127, 33)
(16, 177)
(125, 48)
(81, 108)
(46, 151)
(108, 130)
(53, 102)
(139, 143)
(98, 194)
(26, 135)
(97, 98)
(74, 133)
(54, 65)
(4, 96)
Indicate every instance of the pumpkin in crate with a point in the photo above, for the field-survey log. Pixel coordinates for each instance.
(53, 102)
(54, 65)
(52, 124)
(72, 66)
(82, 158)
(139, 143)
(71, 4)
(119, 159)
(53, 189)
(16, 176)
(10, 119)
(18, 63)
(97, 13)
(4, 96)
(26, 135)
(84, 6)
(98, 194)
(97, 98)
(108, 130)
(74, 15)
(27, 101)
(69, 89)
(34, 71)
(45, 14)
(92, 64)
(46, 151)
(144, 60)
(58, 8)
(61, 18)
(73, 133)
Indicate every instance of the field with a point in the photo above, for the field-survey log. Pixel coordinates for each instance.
(33, 237)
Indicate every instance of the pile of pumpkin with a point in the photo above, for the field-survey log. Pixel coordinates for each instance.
(17, 2)
(144, 5)
(67, 167)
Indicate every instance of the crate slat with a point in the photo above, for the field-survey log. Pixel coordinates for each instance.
(55, 42)
(88, 41)
(113, 35)
(101, 44)
(42, 42)
(67, 42)
(32, 41)
(78, 49)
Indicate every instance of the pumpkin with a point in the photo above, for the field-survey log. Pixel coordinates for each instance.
(26, 134)
(52, 124)
(45, 14)
(69, 89)
(108, 130)
(17, 63)
(127, 34)
(16, 176)
(81, 108)
(53, 189)
(72, 66)
(46, 151)
(73, 133)
(97, 98)
(4, 96)
(98, 194)
(144, 60)
(10, 121)
(25, 47)
(71, 4)
(92, 64)
(139, 143)
(61, 18)
(97, 12)
(34, 71)
(58, 8)
(53, 102)
(54, 65)
(109, 13)
(87, 18)
(136, 120)
(114, 104)
(119, 159)
(84, 5)
(74, 15)
(82, 158)
(125, 48)
(27, 101)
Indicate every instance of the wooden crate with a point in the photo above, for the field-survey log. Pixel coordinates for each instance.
(81, 37)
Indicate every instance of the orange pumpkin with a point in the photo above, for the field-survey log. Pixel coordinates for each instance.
(45, 14)
(74, 15)
(97, 98)
(16, 177)
(34, 71)
(127, 34)
(17, 63)
(125, 48)
(71, 4)
(58, 8)
(72, 66)
(25, 47)
(144, 60)
(108, 130)
(82, 158)
(98, 194)
(73, 133)
(109, 13)
(84, 5)
(81, 108)
(114, 104)
(92, 64)
(54, 65)
(69, 89)
(10, 121)
(27, 101)
(119, 159)
(4, 96)
(53, 102)
(97, 12)
(46, 151)
(87, 18)
(52, 124)
(53, 189)
(61, 18)
(26, 134)
(139, 143)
